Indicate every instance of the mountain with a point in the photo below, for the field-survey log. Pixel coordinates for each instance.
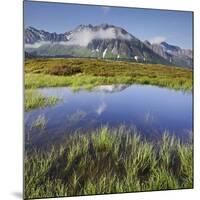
(174, 54)
(32, 36)
(111, 88)
(102, 41)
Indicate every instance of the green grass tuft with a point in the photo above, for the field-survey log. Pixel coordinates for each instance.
(34, 99)
(108, 161)
(39, 123)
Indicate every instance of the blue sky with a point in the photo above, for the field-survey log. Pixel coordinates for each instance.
(173, 26)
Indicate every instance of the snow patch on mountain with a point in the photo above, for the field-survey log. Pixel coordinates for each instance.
(104, 53)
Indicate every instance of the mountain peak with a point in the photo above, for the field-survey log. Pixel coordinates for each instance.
(147, 42)
(31, 28)
(105, 26)
(104, 41)
(169, 46)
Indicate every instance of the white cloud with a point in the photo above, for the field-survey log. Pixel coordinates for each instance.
(157, 40)
(84, 37)
(105, 9)
(101, 108)
(37, 44)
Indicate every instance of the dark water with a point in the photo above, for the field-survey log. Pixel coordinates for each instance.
(151, 109)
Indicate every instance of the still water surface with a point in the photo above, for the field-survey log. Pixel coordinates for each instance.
(149, 108)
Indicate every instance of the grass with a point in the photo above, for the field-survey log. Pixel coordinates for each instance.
(88, 73)
(105, 160)
(34, 99)
(108, 161)
(40, 122)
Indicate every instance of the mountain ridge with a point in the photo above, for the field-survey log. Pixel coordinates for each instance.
(103, 41)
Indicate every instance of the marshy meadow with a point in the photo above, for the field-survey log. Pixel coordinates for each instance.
(95, 126)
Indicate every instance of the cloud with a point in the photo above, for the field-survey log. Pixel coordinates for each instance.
(84, 37)
(101, 108)
(157, 40)
(105, 9)
(37, 44)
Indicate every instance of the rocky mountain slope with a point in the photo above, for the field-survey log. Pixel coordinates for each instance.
(103, 41)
